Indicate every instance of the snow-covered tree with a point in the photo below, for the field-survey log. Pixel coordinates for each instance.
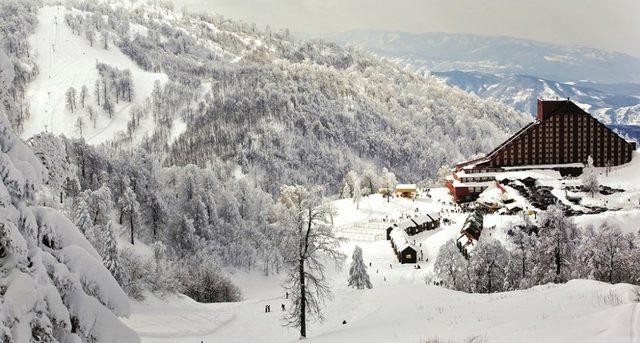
(448, 264)
(100, 204)
(357, 194)
(346, 191)
(70, 99)
(610, 251)
(518, 269)
(80, 125)
(309, 240)
(554, 251)
(110, 250)
(389, 182)
(442, 174)
(84, 223)
(105, 39)
(84, 95)
(358, 276)
(54, 286)
(129, 212)
(488, 261)
(590, 178)
(91, 36)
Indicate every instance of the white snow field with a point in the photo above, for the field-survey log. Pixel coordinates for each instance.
(401, 307)
(67, 60)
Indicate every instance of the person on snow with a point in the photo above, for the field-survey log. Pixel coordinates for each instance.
(282, 305)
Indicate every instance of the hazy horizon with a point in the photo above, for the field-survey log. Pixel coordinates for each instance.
(586, 23)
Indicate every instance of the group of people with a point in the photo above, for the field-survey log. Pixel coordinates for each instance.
(267, 308)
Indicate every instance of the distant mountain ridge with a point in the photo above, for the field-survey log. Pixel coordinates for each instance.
(438, 51)
(515, 72)
(521, 92)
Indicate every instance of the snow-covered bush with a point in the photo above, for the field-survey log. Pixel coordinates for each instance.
(590, 178)
(148, 273)
(205, 282)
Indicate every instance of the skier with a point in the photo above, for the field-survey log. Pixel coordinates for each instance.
(266, 307)
(282, 307)
(286, 295)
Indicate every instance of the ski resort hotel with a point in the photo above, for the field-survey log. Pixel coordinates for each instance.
(561, 138)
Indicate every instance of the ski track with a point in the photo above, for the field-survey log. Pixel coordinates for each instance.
(634, 323)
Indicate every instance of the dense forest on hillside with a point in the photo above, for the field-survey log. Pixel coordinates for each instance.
(279, 107)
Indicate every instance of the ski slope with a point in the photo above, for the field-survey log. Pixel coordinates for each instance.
(401, 309)
(67, 60)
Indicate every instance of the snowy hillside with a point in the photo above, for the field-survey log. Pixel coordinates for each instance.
(403, 306)
(54, 286)
(218, 76)
(67, 60)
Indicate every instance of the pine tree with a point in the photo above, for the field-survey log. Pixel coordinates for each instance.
(110, 252)
(358, 276)
(346, 191)
(83, 217)
(129, 212)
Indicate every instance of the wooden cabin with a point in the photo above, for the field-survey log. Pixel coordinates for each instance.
(408, 190)
(407, 255)
(405, 252)
(416, 225)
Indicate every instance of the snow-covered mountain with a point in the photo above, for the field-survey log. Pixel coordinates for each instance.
(206, 88)
(438, 51)
(151, 182)
(522, 91)
(516, 72)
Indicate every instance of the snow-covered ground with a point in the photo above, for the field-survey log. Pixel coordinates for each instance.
(402, 307)
(67, 60)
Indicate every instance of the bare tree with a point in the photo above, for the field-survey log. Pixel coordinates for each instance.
(84, 94)
(80, 125)
(310, 241)
(71, 99)
(91, 36)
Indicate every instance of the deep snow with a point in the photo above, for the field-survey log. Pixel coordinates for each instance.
(67, 60)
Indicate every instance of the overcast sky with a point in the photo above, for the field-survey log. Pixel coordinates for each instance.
(606, 24)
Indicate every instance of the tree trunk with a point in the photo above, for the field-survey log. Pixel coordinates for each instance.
(303, 302)
(131, 227)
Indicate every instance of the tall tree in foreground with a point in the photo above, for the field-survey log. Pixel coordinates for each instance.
(309, 242)
(358, 276)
